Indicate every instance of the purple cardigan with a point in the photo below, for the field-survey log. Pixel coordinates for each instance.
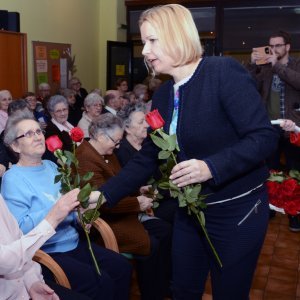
(221, 120)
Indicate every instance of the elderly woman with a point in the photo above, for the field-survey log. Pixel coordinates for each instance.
(80, 92)
(58, 107)
(75, 112)
(37, 109)
(5, 99)
(133, 116)
(93, 104)
(148, 241)
(30, 193)
(20, 277)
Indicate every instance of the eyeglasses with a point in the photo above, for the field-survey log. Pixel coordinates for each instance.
(31, 133)
(276, 46)
(59, 111)
(116, 143)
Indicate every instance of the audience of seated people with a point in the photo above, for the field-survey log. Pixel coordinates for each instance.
(93, 104)
(30, 193)
(149, 239)
(135, 125)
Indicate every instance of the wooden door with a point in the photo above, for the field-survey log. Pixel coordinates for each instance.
(13, 63)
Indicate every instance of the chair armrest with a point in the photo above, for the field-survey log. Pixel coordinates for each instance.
(60, 277)
(107, 235)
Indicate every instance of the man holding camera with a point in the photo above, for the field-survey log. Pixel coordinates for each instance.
(278, 81)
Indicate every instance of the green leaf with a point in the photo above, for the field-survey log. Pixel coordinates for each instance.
(84, 193)
(90, 215)
(76, 180)
(181, 200)
(164, 154)
(172, 142)
(70, 157)
(87, 176)
(202, 217)
(164, 185)
(195, 191)
(159, 142)
(57, 178)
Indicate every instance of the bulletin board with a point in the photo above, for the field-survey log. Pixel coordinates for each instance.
(51, 64)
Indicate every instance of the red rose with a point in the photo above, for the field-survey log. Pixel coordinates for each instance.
(155, 120)
(76, 134)
(295, 138)
(289, 186)
(291, 208)
(54, 143)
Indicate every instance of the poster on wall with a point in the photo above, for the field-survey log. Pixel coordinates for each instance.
(51, 64)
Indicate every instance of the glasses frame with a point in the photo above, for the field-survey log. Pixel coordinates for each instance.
(30, 135)
(276, 46)
(116, 143)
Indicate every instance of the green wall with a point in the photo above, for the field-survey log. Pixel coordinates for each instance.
(85, 24)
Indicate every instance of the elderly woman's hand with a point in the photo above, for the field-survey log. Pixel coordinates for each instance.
(145, 202)
(190, 171)
(41, 291)
(62, 207)
(287, 125)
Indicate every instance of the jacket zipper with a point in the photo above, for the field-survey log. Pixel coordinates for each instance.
(254, 208)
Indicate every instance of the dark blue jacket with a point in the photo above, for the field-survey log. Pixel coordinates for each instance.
(221, 120)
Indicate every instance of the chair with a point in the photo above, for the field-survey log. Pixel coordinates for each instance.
(60, 277)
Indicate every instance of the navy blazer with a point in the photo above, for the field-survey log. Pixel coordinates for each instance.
(221, 120)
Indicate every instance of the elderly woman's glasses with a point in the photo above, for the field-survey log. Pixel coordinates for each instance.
(116, 143)
(31, 133)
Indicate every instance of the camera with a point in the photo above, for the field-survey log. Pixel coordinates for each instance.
(263, 51)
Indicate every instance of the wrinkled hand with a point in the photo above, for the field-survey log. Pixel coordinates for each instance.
(2, 170)
(145, 189)
(190, 171)
(288, 125)
(62, 207)
(41, 291)
(145, 202)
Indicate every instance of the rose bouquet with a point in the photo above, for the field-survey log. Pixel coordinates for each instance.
(189, 196)
(70, 179)
(284, 191)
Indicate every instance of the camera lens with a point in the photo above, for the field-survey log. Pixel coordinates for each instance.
(267, 51)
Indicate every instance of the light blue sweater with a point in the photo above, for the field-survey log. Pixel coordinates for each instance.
(30, 193)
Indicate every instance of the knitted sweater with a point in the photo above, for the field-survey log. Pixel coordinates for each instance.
(30, 193)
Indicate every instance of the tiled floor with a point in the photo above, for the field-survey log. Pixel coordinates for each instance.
(277, 275)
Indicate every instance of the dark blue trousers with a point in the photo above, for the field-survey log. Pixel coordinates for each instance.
(237, 231)
(112, 284)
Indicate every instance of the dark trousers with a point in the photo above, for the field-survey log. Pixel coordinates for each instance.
(64, 293)
(112, 284)
(238, 247)
(154, 270)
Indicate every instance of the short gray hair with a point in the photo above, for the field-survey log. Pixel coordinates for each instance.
(105, 124)
(44, 86)
(54, 100)
(67, 93)
(126, 112)
(93, 98)
(10, 132)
